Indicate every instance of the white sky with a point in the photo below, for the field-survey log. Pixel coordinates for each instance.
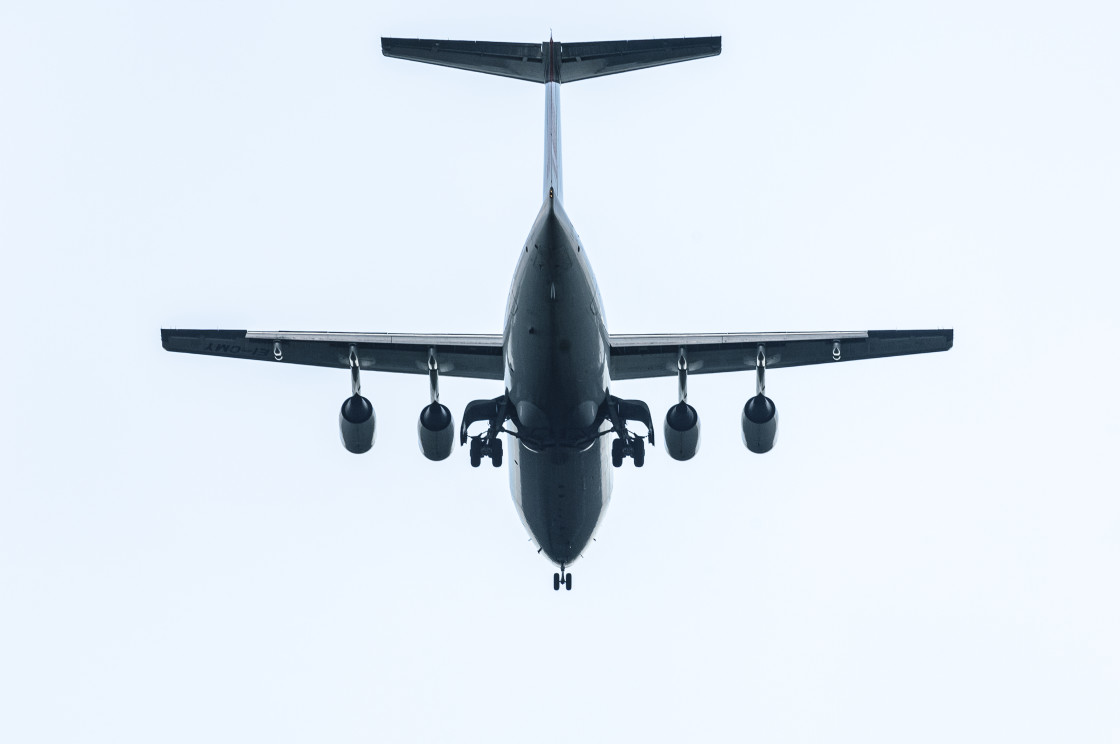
(930, 553)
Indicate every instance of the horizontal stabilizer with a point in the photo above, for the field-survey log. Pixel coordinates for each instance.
(551, 61)
(521, 61)
(597, 58)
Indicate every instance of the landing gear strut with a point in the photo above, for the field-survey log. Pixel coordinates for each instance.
(561, 578)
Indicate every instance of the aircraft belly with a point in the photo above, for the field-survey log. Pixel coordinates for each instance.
(561, 494)
(556, 348)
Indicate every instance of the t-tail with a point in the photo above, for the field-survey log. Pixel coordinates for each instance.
(552, 63)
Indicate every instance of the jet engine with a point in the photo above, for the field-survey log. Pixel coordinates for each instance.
(357, 425)
(436, 432)
(760, 424)
(682, 431)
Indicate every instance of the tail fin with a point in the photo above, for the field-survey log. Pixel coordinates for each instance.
(569, 62)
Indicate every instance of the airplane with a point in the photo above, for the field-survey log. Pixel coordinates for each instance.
(566, 430)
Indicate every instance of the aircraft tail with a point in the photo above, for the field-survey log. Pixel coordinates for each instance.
(552, 61)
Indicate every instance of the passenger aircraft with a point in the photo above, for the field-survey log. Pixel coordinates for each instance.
(566, 430)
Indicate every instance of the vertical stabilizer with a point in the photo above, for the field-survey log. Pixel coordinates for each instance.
(553, 163)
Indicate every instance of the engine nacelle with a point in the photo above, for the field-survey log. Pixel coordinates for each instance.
(436, 432)
(682, 432)
(760, 424)
(357, 425)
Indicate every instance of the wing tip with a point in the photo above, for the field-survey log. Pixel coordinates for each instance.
(178, 339)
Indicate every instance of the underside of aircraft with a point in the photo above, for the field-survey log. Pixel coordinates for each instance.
(566, 431)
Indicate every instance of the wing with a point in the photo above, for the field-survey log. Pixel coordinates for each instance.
(634, 356)
(478, 356)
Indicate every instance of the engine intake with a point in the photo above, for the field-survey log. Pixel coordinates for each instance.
(760, 424)
(357, 424)
(682, 432)
(436, 432)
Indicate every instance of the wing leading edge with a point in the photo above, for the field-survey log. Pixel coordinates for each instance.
(475, 356)
(639, 356)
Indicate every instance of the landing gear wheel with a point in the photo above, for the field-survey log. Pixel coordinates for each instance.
(568, 582)
(486, 447)
(629, 447)
(556, 582)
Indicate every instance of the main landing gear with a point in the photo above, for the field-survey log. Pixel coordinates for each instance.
(488, 444)
(619, 412)
(562, 578)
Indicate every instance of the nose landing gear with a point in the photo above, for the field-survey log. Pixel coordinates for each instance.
(561, 578)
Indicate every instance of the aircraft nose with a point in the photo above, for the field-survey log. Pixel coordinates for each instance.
(560, 550)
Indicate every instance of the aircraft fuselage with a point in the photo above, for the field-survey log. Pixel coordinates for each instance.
(557, 379)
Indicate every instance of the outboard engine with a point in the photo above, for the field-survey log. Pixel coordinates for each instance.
(760, 424)
(682, 431)
(436, 431)
(357, 424)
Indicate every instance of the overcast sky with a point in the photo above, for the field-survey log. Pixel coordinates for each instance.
(929, 554)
